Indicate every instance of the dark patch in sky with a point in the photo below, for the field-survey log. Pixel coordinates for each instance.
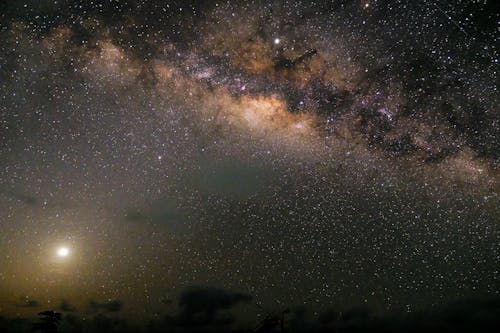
(201, 306)
(24, 198)
(111, 306)
(66, 306)
(231, 180)
(28, 303)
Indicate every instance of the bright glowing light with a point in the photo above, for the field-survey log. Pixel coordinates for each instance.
(277, 41)
(63, 252)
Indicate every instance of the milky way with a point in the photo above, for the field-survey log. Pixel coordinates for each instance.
(331, 154)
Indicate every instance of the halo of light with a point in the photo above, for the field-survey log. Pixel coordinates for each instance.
(63, 252)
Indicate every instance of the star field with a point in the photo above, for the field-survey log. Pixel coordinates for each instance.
(325, 154)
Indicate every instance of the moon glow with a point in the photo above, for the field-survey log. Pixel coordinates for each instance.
(62, 252)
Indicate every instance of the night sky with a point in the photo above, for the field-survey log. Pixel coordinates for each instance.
(252, 155)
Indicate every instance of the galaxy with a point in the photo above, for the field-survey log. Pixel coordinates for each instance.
(249, 166)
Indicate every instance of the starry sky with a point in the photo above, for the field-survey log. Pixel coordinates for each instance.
(286, 153)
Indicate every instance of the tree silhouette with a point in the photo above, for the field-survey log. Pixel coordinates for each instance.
(48, 322)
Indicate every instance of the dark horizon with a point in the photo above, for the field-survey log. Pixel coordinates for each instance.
(199, 311)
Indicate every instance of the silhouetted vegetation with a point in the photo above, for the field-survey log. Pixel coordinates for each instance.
(48, 322)
(209, 310)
